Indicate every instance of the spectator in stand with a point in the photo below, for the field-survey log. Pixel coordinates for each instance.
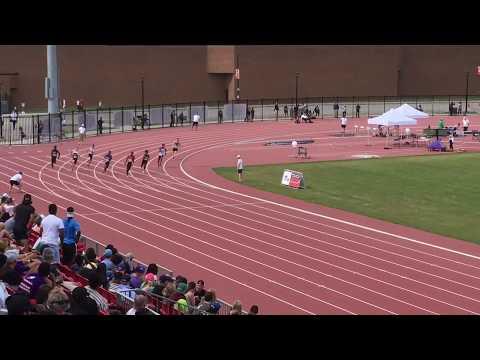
(149, 282)
(4, 235)
(41, 298)
(236, 308)
(23, 218)
(53, 231)
(206, 302)
(190, 294)
(35, 231)
(32, 282)
(120, 283)
(169, 289)
(158, 289)
(94, 283)
(199, 291)
(18, 304)
(152, 269)
(179, 293)
(117, 261)
(137, 276)
(102, 274)
(82, 303)
(78, 263)
(139, 304)
(58, 302)
(215, 304)
(72, 236)
(107, 261)
(3, 287)
(180, 279)
(11, 278)
(91, 263)
(253, 310)
(108, 247)
(10, 225)
(127, 265)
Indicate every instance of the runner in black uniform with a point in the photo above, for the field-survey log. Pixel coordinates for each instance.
(91, 151)
(176, 146)
(129, 162)
(146, 157)
(107, 158)
(162, 152)
(55, 155)
(75, 157)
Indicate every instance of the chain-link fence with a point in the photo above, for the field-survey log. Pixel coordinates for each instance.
(41, 128)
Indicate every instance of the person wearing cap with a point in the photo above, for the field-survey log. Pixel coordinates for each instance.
(239, 167)
(16, 180)
(18, 304)
(72, 236)
(137, 276)
(23, 219)
(53, 232)
(149, 282)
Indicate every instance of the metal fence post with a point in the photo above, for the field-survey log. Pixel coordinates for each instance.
(73, 124)
(261, 102)
(109, 120)
(49, 129)
(163, 110)
(322, 107)
(233, 111)
(190, 113)
(149, 117)
(38, 129)
(384, 104)
(218, 112)
(204, 112)
(122, 120)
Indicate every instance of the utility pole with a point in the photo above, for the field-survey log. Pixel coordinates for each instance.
(51, 81)
(466, 95)
(296, 90)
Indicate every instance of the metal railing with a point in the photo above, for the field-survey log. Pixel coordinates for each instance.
(126, 299)
(41, 127)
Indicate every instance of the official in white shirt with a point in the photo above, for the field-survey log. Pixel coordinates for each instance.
(239, 167)
(196, 119)
(343, 122)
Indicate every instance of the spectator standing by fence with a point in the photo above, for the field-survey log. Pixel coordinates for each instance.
(172, 119)
(276, 109)
(285, 111)
(100, 126)
(23, 218)
(220, 116)
(335, 110)
(357, 111)
(14, 117)
(459, 108)
(252, 113)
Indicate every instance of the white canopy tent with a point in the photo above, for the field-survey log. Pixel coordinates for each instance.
(392, 118)
(411, 112)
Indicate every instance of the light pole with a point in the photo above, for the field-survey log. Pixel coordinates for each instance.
(51, 82)
(143, 98)
(466, 95)
(296, 89)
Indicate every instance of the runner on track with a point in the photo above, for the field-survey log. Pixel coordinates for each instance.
(91, 152)
(162, 152)
(107, 158)
(129, 162)
(196, 119)
(75, 157)
(176, 147)
(146, 157)
(16, 180)
(55, 155)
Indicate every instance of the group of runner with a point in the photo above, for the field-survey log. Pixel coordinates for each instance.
(129, 161)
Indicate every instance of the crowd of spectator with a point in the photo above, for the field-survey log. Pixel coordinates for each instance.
(46, 270)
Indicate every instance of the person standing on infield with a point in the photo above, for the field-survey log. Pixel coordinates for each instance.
(343, 123)
(129, 162)
(196, 119)
(55, 155)
(239, 167)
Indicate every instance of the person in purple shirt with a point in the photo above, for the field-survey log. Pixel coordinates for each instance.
(32, 282)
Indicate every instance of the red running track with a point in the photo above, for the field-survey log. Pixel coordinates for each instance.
(287, 256)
